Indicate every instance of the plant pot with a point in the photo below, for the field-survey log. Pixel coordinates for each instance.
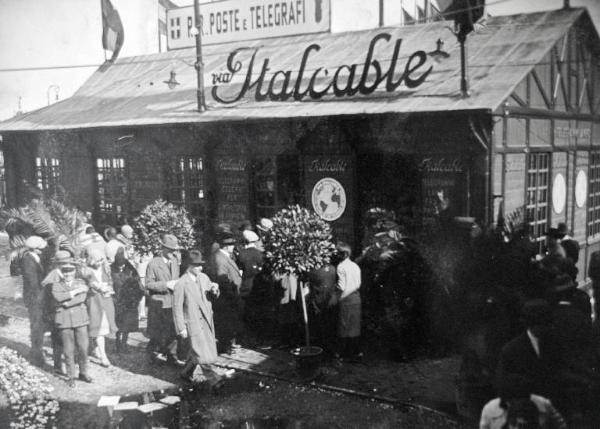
(308, 360)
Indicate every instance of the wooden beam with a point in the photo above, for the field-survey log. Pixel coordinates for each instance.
(538, 82)
(518, 99)
(548, 114)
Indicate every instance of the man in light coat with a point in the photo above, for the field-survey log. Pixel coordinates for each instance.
(161, 275)
(193, 316)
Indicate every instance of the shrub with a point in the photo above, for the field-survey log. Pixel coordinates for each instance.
(298, 242)
(28, 391)
(160, 218)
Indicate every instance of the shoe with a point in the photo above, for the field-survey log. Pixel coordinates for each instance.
(58, 371)
(105, 363)
(71, 382)
(177, 362)
(85, 377)
(158, 358)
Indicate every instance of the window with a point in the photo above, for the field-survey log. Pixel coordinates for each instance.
(47, 174)
(111, 179)
(2, 181)
(185, 182)
(594, 195)
(538, 173)
(276, 184)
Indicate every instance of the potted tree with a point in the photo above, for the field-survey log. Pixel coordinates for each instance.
(298, 242)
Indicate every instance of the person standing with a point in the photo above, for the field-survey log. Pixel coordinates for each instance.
(71, 319)
(162, 274)
(594, 274)
(322, 306)
(349, 319)
(128, 292)
(193, 316)
(250, 260)
(100, 302)
(33, 295)
(225, 272)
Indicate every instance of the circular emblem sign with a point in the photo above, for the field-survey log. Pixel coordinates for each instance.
(581, 188)
(329, 199)
(559, 193)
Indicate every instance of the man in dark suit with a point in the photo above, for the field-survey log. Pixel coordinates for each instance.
(33, 295)
(224, 271)
(162, 274)
(533, 356)
(250, 261)
(568, 243)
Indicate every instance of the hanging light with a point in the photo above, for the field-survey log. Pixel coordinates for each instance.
(439, 53)
(172, 82)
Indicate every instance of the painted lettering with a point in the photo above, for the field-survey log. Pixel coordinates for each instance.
(282, 85)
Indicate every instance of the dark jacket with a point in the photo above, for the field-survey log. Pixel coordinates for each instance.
(250, 261)
(32, 279)
(518, 358)
(71, 312)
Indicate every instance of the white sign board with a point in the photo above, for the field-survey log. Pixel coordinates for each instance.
(236, 20)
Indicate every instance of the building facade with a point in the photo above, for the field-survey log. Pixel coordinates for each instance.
(341, 123)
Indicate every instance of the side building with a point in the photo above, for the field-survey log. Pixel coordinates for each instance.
(338, 122)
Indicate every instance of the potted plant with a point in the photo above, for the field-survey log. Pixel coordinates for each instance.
(298, 242)
(159, 218)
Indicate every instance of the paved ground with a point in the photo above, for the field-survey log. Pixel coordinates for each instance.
(374, 384)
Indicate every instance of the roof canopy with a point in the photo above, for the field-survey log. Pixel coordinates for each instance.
(385, 70)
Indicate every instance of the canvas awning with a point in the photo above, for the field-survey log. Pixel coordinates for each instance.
(133, 92)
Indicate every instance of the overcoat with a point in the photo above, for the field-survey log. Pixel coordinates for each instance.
(223, 270)
(32, 279)
(70, 312)
(128, 293)
(98, 303)
(193, 311)
(160, 316)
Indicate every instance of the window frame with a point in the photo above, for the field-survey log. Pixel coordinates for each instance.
(48, 174)
(186, 177)
(538, 185)
(112, 187)
(593, 197)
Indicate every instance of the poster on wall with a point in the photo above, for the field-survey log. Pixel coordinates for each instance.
(329, 183)
(559, 193)
(581, 188)
(232, 187)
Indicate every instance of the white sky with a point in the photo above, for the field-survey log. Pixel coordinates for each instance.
(47, 34)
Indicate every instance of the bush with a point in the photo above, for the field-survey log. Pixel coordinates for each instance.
(298, 242)
(28, 392)
(160, 218)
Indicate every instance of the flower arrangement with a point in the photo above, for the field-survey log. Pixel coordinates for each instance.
(298, 242)
(159, 218)
(28, 392)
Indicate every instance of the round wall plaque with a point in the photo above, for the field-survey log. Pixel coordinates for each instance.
(329, 199)
(559, 193)
(581, 185)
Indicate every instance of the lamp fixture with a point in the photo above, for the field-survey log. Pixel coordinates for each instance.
(439, 53)
(172, 82)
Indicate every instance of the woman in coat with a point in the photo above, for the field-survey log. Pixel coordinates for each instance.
(100, 304)
(193, 315)
(128, 293)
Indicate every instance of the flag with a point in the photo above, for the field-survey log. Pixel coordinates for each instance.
(113, 34)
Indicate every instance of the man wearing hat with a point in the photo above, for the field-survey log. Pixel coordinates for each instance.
(33, 294)
(193, 315)
(161, 275)
(250, 260)
(71, 316)
(225, 272)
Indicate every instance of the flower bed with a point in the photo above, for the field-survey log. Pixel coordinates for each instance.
(28, 392)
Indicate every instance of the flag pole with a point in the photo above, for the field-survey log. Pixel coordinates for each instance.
(199, 66)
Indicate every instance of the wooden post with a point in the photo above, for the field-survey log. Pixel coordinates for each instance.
(305, 314)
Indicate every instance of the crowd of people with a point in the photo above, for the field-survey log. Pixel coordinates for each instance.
(546, 376)
(196, 307)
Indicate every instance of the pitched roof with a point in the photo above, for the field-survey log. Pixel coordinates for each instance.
(132, 92)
